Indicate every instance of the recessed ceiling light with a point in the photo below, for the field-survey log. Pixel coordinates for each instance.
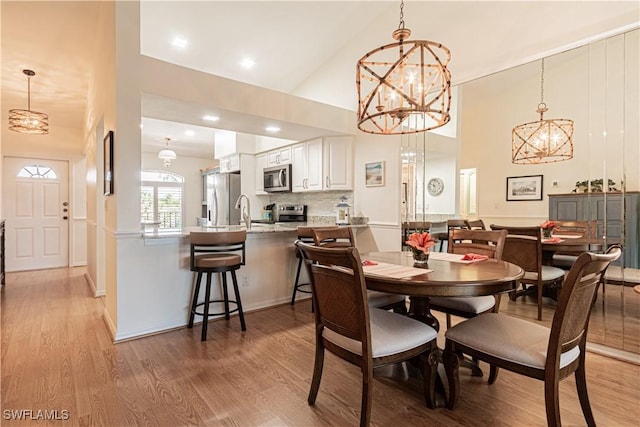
(272, 129)
(189, 133)
(179, 42)
(247, 63)
(211, 118)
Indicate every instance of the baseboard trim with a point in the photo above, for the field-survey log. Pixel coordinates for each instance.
(614, 353)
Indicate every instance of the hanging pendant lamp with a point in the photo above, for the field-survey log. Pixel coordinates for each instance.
(27, 121)
(167, 154)
(404, 87)
(543, 141)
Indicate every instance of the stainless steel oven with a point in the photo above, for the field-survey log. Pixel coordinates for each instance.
(277, 179)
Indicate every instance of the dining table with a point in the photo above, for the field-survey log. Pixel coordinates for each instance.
(573, 244)
(443, 275)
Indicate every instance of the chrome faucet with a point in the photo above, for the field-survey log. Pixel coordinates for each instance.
(246, 214)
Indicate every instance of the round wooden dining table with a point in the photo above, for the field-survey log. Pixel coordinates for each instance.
(570, 244)
(442, 278)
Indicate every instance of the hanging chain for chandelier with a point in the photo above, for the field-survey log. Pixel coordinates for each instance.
(28, 121)
(167, 154)
(542, 141)
(404, 87)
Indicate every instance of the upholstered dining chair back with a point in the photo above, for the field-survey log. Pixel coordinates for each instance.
(533, 350)
(334, 237)
(481, 242)
(350, 329)
(522, 246)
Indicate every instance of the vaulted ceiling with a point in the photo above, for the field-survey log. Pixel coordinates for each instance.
(305, 48)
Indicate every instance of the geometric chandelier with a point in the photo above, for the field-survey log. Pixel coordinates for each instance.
(404, 87)
(543, 141)
(27, 121)
(166, 154)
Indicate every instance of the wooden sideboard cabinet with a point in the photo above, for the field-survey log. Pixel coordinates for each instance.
(617, 217)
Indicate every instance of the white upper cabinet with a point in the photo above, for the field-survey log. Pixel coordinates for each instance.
(230, 163)
(260, 164)
(323, 164)
(281, 156)
(338, 163)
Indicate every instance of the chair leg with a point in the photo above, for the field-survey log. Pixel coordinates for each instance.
(234, 279)
(448, 320)
(205, 317)
(451, 364)
(317, 372)
(194, 303)
(581, 385)
(225, 293)
(551, 402)
(295, 284)
(493, 373)
(540, 288)
(367, 396)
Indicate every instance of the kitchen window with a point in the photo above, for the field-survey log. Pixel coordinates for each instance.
(161, 198)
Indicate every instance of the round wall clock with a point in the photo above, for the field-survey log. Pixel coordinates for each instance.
(435, 186)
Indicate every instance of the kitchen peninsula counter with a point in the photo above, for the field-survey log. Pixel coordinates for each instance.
(255, 229)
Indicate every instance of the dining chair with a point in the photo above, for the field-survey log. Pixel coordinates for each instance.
(476, 224)
(523, 247)
(584, 229)
(533, 350)
(482, 242)
(361, 335)
(341, 237)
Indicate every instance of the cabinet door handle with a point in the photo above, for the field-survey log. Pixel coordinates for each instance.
(327, 182)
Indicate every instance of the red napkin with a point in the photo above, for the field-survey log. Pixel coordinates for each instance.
(366, 262)
(474, 257)
(553, 240)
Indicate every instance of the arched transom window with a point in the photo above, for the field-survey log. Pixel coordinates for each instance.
(37, 171)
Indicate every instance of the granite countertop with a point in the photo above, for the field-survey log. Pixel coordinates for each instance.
(255, 229)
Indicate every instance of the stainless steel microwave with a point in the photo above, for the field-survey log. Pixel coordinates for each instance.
(277, 179)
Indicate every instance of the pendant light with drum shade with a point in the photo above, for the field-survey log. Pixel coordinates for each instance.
(543, 141)
(28, 121)
(167, 154)
(404, 87)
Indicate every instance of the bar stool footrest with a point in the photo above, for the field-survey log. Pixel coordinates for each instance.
(220, 301)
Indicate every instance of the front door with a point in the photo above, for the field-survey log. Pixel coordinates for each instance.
(36, 209)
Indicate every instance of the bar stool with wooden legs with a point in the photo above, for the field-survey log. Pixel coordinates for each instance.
(216, 252)
(305, 235)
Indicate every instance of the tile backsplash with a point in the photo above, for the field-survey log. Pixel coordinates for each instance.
(320, 205)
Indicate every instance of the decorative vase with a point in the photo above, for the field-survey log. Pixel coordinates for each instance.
(420, 257)
(547, 232)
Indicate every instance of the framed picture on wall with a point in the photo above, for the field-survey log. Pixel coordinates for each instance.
(108, 163)
(524, 188)
(374, 174)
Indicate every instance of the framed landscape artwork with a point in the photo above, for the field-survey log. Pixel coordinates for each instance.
(374, 174)
(524, 188)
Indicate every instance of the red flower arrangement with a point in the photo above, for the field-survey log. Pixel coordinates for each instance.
(420, 242)
(548, 224)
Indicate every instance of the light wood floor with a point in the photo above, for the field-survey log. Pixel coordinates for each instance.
(57, 355)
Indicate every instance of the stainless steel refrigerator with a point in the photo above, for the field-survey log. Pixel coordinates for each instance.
(223, 189)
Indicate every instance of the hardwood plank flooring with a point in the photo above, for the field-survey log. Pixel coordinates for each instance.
(57, 355)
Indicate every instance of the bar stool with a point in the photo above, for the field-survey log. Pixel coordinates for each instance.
(216, 252)
(305, 235)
